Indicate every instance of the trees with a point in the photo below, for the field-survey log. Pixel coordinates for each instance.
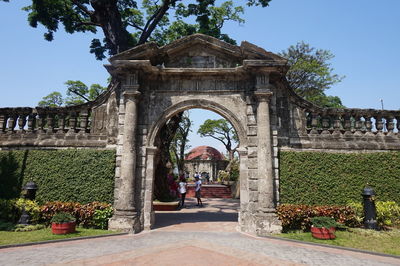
(221, 130)
(77, 93)
(310, 74)
(127, 23)
(54, 99)
(180, 141)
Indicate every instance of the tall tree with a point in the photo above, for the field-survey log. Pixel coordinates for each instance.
(127, 23)
(222, 131)
(311, 74)
(180, 141)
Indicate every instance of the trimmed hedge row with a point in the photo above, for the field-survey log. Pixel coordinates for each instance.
(318, 178)
(62, 175)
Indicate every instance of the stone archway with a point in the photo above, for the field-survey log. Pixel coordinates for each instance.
(151, 149)
(195, 72)
(245, 84)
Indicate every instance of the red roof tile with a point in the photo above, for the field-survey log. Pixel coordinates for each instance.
(204, 153)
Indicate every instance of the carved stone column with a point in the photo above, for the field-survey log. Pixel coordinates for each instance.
(267, 221)
(126, 217)
(264, 153)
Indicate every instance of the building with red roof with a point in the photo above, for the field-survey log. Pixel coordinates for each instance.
(205, 160)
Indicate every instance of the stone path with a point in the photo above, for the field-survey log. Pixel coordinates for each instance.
(192, 236)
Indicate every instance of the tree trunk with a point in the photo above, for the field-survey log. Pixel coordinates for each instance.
(106, 14)
(167, 132)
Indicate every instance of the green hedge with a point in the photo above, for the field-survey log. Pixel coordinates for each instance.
(318, 178)
(61, 175)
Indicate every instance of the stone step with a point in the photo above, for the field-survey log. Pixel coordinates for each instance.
(211, 191)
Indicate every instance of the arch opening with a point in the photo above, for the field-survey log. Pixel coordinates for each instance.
(209, 172)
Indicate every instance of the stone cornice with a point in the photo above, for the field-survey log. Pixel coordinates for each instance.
(263, 95)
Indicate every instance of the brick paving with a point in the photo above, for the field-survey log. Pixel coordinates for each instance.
(192, 236)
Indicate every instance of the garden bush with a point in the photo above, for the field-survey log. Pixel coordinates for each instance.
(77, 175)
(387, 213)
(298, 217)
(101, 217)
(318, 178)
(11, 210)
(85, 214)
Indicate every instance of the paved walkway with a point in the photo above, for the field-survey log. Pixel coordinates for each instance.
(192, 236)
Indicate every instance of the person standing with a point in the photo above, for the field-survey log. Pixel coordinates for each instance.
(198, 192)
(182, 191)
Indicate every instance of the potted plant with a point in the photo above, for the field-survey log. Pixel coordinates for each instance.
(63, 223)
(323, 227)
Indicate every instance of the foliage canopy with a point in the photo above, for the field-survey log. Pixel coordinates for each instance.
(127, 23)
(310, 74)
(221, 130)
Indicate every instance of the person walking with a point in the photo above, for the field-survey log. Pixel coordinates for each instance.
(198, 192)
(182, 191)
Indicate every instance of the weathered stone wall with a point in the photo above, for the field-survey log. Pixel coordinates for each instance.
(245, 84)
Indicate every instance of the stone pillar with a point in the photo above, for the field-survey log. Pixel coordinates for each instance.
(267, 221)
(149, 188)
(125, 216)
(264, 153)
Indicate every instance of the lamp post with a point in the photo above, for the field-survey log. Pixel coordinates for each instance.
(369, 208)
(30, 193)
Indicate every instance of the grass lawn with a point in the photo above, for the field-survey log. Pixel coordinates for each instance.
(10, 237)
(378, 241)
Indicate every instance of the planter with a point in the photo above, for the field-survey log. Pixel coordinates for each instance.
(63, 228)
(323, 233)
(165, 206)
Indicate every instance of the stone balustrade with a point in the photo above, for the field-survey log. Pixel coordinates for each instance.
(20, 120)
(49, 127)
(357, 122)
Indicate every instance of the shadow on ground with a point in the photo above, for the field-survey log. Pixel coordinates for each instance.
(213, 211)
(168, 219)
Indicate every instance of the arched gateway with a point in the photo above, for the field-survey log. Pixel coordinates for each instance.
(196, 72)
(245, 84)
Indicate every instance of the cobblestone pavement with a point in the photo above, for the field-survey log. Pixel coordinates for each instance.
(192, 236)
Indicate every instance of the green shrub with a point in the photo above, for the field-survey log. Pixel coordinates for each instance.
(101, 217)
(358, 211)
(77, 175)
(318, 178)
(387, 213)
(298, 217)
(28, 228)
(11, 209)
(62, 217)
(6, 226)
(323, 222)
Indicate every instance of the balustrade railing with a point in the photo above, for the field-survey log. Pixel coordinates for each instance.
(74, 119)
(352, 121)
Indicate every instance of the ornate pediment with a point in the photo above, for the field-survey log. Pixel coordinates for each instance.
(198, 51)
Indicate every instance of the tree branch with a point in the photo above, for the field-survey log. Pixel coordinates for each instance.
(207, 135)
(152, 23)
(79, 94)
(135, 26)
(82, 7)
(87, 23)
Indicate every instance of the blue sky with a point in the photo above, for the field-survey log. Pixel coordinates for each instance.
(362, 34)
